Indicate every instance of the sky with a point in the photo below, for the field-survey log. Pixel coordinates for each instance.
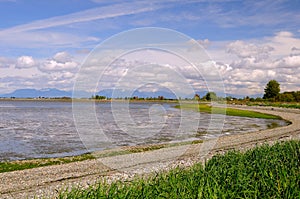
(43, 44)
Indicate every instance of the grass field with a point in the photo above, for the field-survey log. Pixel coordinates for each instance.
(264, 172)
(206, 108)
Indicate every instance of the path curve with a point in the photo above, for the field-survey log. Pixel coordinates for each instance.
(47, 181)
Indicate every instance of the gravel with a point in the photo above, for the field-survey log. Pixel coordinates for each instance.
(48, 181)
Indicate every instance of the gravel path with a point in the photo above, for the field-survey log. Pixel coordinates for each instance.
(47, 181)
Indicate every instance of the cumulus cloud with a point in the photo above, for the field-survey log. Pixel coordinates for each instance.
(25, 71)
(53, 65)
(249, 50)
(284, 34)
(25, 62)
(283, 43)
(62, 57)
(61, 61)
(290, 61)
(257, 62)
(250, 66)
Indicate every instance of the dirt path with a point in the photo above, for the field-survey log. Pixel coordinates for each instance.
(46, 181)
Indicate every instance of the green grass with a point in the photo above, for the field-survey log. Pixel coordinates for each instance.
(33, 163)
(264, 172)
(206, 108)
(151, 147)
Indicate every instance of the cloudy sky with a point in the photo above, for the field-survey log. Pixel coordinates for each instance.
(44, 43)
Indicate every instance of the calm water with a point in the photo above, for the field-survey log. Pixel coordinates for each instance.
(35, 129)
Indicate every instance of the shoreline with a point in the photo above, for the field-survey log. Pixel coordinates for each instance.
(44, 181)
(67, 99)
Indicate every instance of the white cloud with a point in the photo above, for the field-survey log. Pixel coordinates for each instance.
(25, 62)
(248, 65)
(61, 62)
(62, 57)
(53, 65)
(290, 62)
(284, 34)
(249, 50)
(25, 71)
(283, 43)
(258, 61)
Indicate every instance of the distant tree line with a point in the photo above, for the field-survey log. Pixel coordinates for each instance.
(100, 97)
(272, 93)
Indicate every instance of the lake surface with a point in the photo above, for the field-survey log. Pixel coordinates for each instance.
(40, 129)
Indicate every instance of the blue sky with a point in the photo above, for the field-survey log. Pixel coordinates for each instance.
(43, 43)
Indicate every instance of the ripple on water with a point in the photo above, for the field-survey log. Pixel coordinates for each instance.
(30, 129)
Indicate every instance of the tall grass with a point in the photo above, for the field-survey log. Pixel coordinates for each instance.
(264, 172)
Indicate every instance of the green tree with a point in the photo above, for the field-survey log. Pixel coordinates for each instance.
(297, 96)
(286, 97)
(196, 97)
(98, 97)
(272, 90)
(211, 96)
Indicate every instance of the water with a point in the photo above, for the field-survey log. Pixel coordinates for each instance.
(41, 129)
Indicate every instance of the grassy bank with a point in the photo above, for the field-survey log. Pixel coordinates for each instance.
(34, 163)
(264, 172)
(206, 108)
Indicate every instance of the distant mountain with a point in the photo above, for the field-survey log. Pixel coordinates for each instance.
(242, 96)
(238, 96)
(33, 93)
(165, 94)
(118, 93)
(257, 95)
(109, 93)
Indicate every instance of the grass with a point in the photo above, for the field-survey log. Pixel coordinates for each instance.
(34, 163)
(206, 108)
(263, 172)
(151, 147)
